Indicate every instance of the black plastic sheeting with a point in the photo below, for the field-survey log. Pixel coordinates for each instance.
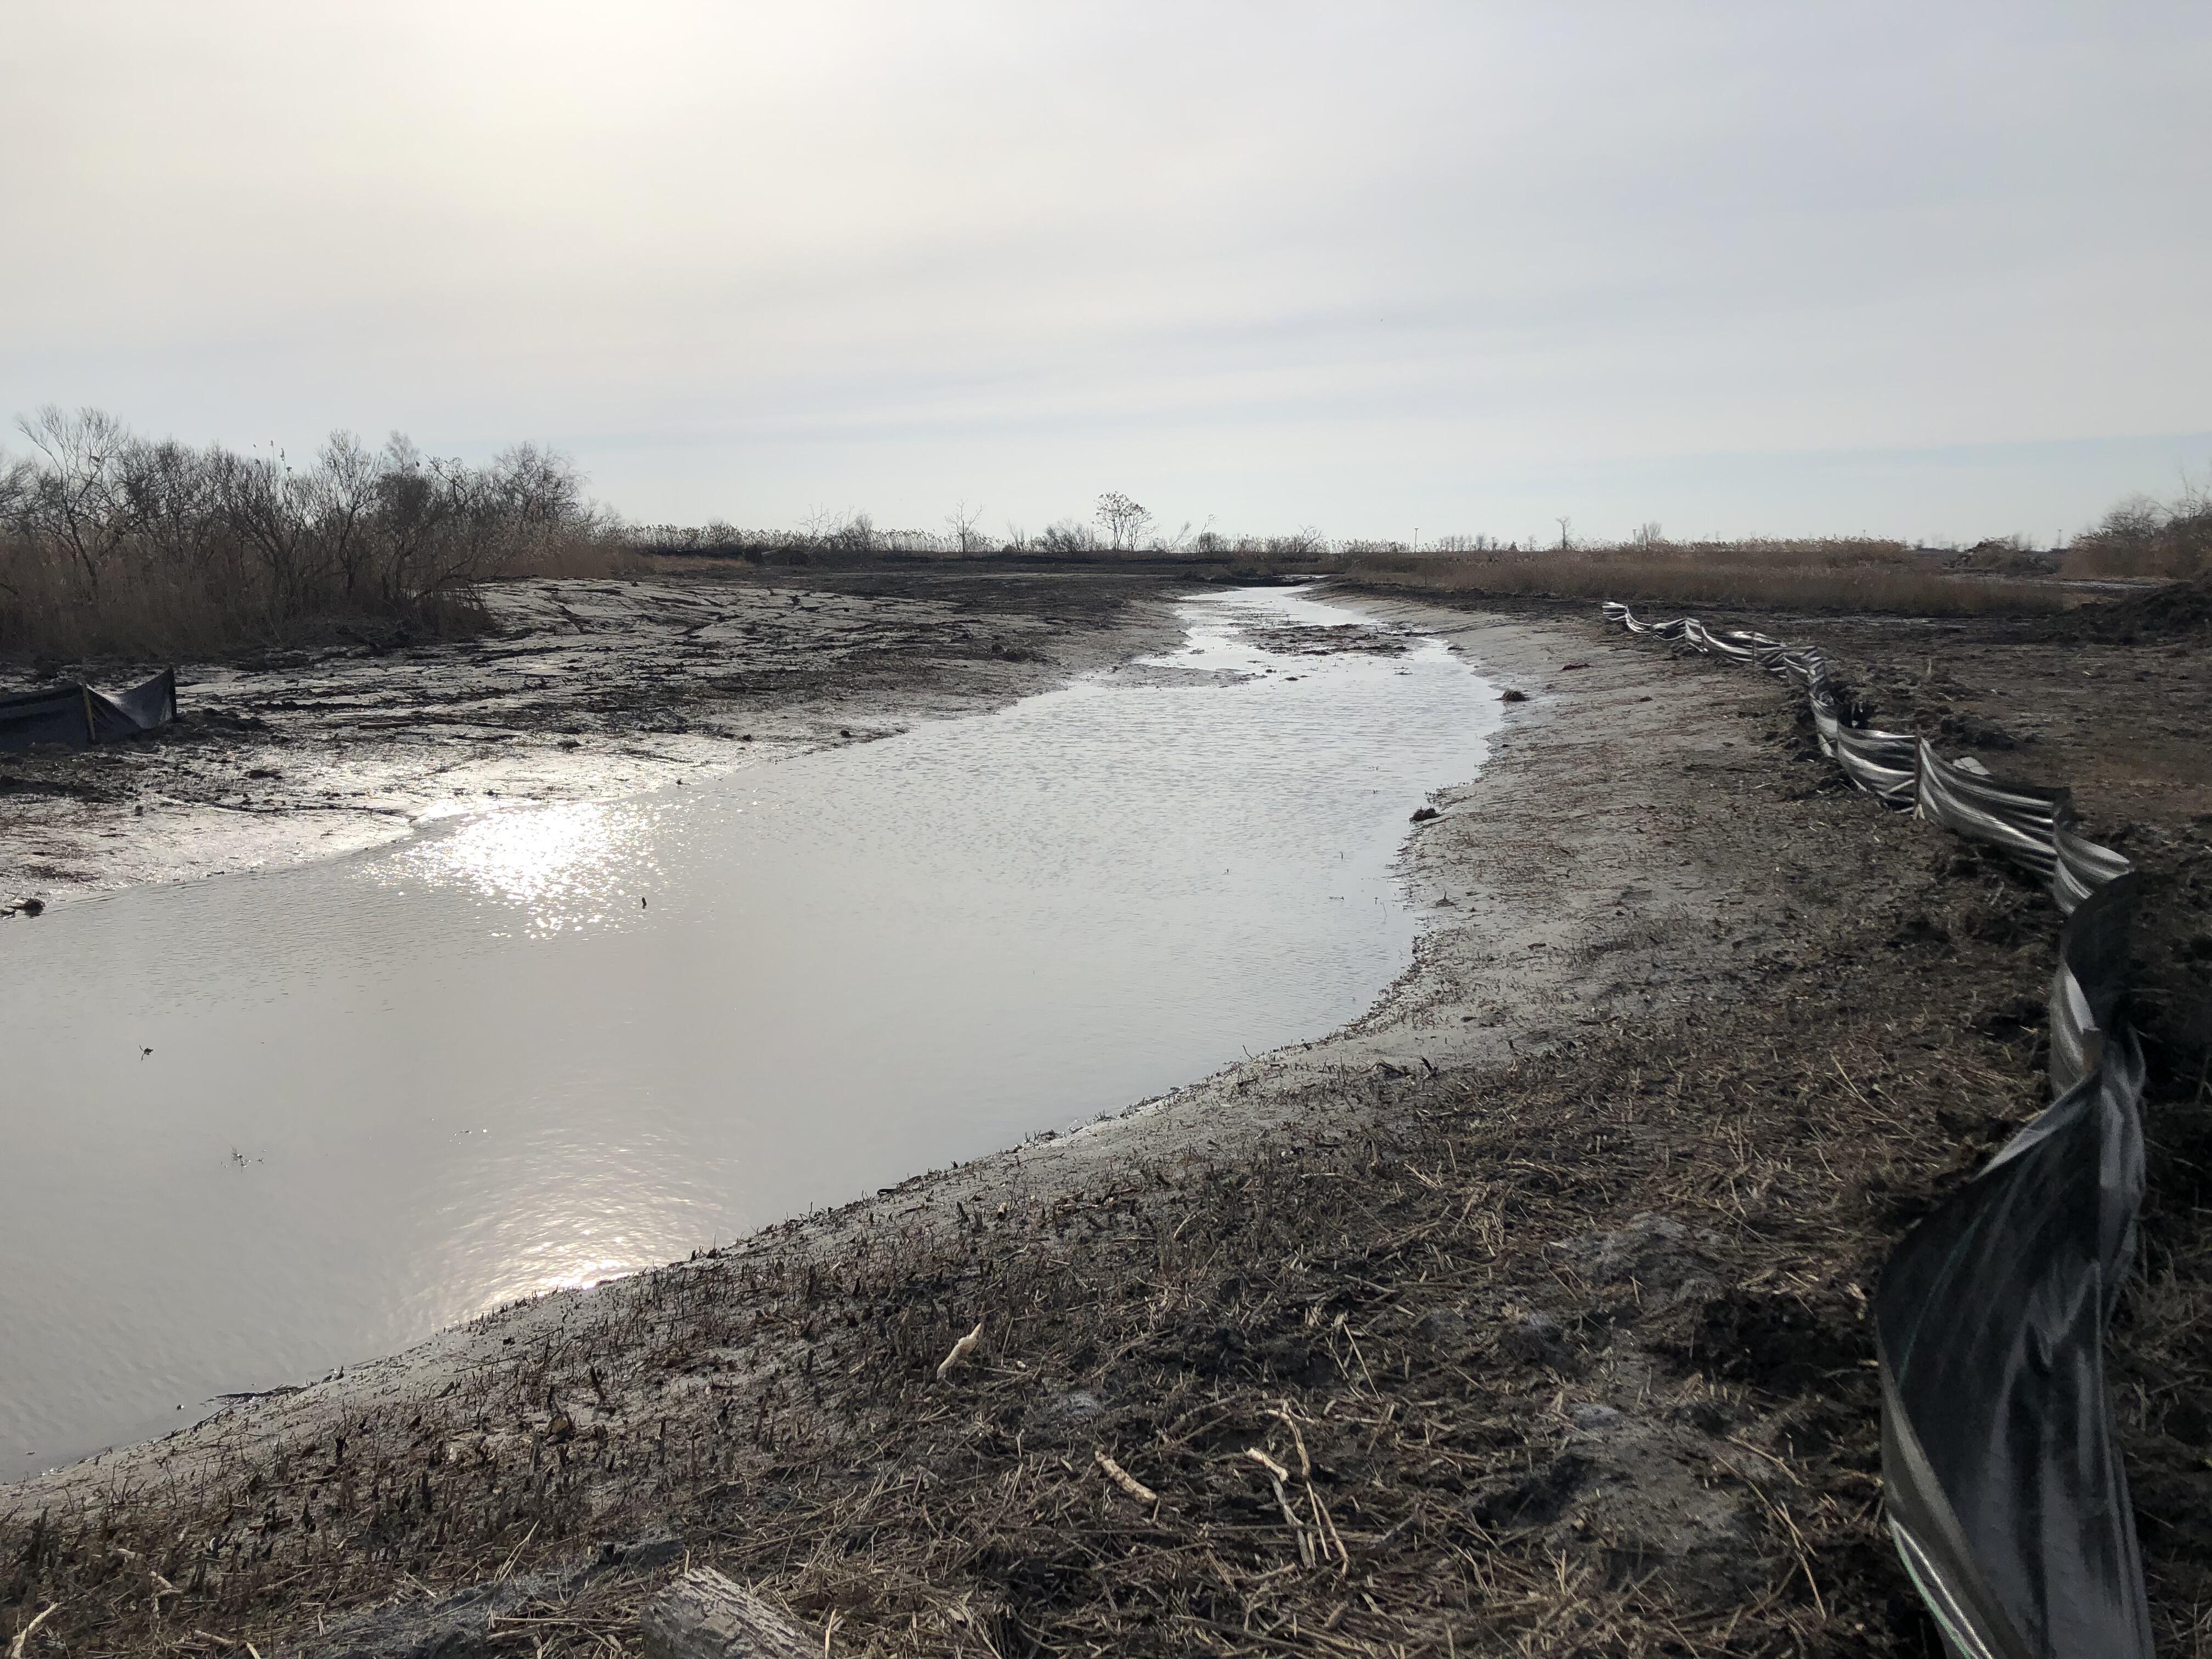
(2002, 1477)
(77, 715)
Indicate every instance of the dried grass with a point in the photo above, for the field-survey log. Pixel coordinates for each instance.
(1847, 574)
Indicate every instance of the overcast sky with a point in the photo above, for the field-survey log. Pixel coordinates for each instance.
(1938, 270)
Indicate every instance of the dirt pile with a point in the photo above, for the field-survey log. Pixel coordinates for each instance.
(2180, 611)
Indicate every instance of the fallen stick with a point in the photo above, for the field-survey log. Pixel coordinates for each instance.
(1305, 1463)
(961, 1350)
(1127, 1481)
(1277, 1474)
(1326, 1523)
(1283, 1502)
(15, 1647)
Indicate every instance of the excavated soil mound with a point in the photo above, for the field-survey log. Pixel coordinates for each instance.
(2183, 610)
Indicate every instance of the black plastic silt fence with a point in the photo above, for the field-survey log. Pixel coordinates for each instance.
(2002, 1478)
(77, 715)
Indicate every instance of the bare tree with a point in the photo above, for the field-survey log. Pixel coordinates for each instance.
(962, 522)
(19, 481)
(1125, 521)
(342, 493)
(1567, 534)
(79, 500)
(172, 502)
(269, 506)
(18, 478)
(419, 509)
(536, 487)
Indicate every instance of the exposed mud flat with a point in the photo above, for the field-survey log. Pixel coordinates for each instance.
(584, 691)
(1539, 1290)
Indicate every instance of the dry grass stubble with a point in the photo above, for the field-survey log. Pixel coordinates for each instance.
(1834, 573)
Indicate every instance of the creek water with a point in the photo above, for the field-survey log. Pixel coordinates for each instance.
(255, 1127)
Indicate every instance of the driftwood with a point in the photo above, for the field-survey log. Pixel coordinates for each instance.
(704, 1615)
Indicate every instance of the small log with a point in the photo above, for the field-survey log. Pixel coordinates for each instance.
(704, 1615)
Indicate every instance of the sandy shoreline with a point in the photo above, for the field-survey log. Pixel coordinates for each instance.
(1555, 1260)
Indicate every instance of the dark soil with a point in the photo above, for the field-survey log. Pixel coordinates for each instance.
(2178, 611)
(576, 687)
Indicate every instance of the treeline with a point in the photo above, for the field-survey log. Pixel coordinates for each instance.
(112, 545)
(2140, 538)
(1127, 531)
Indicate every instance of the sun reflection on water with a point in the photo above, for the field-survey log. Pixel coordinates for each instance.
(552, 1268)
(567, 866)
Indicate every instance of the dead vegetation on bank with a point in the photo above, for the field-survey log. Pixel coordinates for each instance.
(1857, 574)
(2140, 540)
(114, 546)
(1418, 1363)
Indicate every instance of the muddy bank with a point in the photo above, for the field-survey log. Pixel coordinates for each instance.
(584, 689)
(1539, 1290)
(576, 1032)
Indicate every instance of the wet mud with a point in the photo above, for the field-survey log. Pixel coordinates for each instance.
(1525, 1315)
(583, 689)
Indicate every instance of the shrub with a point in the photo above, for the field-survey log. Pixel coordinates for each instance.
(1069, 537)
(2142, 538)
(111, 545)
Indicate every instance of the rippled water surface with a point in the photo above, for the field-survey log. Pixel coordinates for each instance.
(550, 1045)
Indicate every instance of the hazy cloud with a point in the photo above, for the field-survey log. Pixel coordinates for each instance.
(1733, 267)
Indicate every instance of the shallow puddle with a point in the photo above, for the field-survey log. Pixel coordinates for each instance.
(259, 1127)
